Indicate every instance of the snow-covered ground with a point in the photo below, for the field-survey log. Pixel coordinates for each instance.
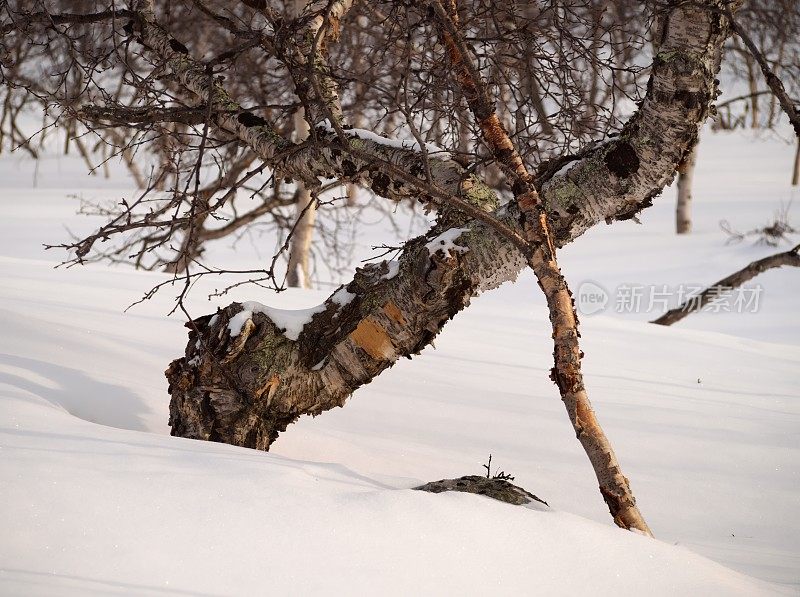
(97, 498)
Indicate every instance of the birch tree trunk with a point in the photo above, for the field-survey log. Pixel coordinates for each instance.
(773, 100)
(683, 209)
(242, 380)
(796, 169)
(299, 272)
(752, 83)
(541, 257)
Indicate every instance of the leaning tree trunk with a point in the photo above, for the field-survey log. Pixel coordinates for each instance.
(683, 208)
(244, 376)
(541, 258)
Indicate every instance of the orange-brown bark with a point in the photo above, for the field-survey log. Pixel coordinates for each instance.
(541, 257)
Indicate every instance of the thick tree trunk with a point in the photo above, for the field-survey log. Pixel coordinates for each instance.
(243, 384)
(683, 208)
(244, 388)
(696, 303)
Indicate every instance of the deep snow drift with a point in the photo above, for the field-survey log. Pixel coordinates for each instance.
(95, 497)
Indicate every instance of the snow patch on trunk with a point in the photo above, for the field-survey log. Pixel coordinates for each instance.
(445, 242)
(412, 144)
(291, 321)
(342, 297)
(394, 269)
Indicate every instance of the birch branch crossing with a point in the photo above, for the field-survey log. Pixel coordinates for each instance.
(242, 380)
(391, 310)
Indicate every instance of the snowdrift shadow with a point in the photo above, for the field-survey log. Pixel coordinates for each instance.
(77, 393)
(53, 583)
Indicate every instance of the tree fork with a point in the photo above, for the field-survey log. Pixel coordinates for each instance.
(246, 389)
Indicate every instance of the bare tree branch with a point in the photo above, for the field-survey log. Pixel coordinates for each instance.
(772, 80)
(725, 285)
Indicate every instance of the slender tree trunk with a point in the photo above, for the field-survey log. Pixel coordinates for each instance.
(683, 210)
(541, 258)
(773, 100)
(299, 268)
(528, 81)
(566, 373)
(299, 273)
(796, 169)
(751, 79)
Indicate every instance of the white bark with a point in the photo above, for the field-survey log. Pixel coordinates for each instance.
(299, 272)
(299, 269)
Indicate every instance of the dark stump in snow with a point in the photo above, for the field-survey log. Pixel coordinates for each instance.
(498, 489)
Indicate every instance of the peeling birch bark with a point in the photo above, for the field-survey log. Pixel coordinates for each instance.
(396, 309)
(541, 257)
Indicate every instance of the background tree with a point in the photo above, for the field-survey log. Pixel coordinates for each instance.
(157, 133)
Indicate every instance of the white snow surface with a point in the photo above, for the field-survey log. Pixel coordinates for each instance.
(97, 499)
